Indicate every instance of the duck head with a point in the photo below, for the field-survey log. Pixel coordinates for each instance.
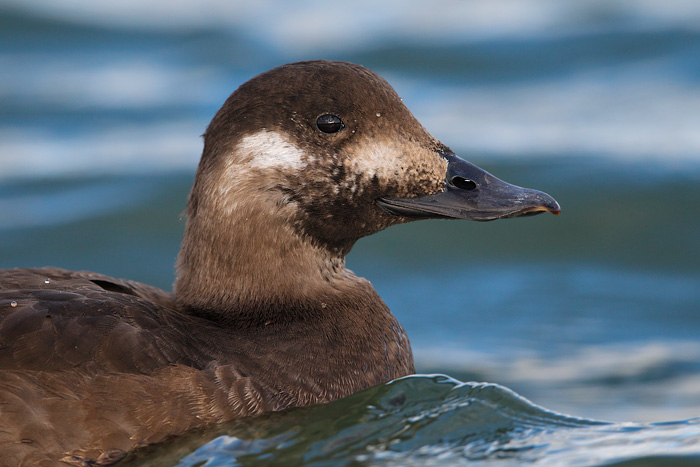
(302, 161)
(330, 147)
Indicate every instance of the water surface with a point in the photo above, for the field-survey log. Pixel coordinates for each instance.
(595, 313)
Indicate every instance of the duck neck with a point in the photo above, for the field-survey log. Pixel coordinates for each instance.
(246, 264)
(251, 266)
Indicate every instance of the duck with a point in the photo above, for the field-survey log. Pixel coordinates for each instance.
(298, 164)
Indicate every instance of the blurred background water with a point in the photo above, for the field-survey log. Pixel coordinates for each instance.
(595, 313)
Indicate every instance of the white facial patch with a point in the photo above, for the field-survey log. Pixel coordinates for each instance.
(374, 158)
(259, 160)
(406, 164)
(270, 149)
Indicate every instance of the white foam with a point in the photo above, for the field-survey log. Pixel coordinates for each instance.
(125, 149)
(584, 115)
(578, 382)
(310, 26)
(642, 110)
(117, 82)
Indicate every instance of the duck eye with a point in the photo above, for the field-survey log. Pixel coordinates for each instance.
(464, 183)
(329, 123)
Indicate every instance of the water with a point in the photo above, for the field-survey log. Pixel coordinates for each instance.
(426, 420)
(595, 313)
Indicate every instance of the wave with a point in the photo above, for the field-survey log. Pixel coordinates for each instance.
(120, 149)
(426, 420)
(535, 121)
(311, 26)
(107, 87)
(649, 380)
(581, 116)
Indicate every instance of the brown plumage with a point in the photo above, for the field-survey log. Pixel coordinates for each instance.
(264, 315)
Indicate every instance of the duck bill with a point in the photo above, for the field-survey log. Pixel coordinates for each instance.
(474, 194)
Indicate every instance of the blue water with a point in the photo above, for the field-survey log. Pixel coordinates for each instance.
(429, 420)
(595, 313)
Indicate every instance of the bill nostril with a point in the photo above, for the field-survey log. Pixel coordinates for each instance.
(464, 183)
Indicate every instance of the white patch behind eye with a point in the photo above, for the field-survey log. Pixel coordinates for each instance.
(269, 149)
